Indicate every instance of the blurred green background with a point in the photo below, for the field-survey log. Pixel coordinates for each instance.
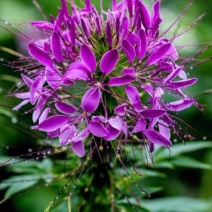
(14, 127)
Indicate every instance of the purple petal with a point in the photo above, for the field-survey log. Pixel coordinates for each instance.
(56, 47)
(67, 82)
(78, 148)
(27, 80)
(88, 4)
(43, 25)
(53, 123)
(97, 129)
(132, 38)
(65, 8)
(125, 25)
(173, 52)
(133, 96)
(38, 109)
(129, 71)
(53, 134)
(164, 129)
(88, 58)
(156, 11)
(17, 107)
(156, 20)
(129, 50)
(142, 44)
(152, 113)
(148, 88)
(76, 74)
(173, 74)
(130, 7)
(79, 65)
(99, 118)
(98, 25)
(24, 95)
(156, 138)
(53, 78)
(44, 115)
(138, 20)
(90, 100)
(109, 60)
(85, 27)
(117, 26)
(158, 93)
(40, 55)
(167, 66)
(145, 16)
(72, 32)
(65, 107)
(82, 135)
(67, 134)
(36, 88)
(183, 75)
(112, 133)
(59, 20)
(183, 83)
(116, 122)
(109, 34)
(158, 54)
(153, 122)
(125, 129)
(169, 120)
(179, 105)
(140, 125)
(46, 46)
(120, 110)
(114, 3)
(122, 80)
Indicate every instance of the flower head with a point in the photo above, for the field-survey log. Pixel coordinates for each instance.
(105, 76)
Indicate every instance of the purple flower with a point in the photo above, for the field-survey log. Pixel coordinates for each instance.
(90, 75)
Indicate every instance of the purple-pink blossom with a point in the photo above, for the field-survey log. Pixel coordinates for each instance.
(91, 73)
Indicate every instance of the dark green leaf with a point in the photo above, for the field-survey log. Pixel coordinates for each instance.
(33, 167)
(176, 204)
(178, 149)
(19, 183)
(124, 206)
(189, 163)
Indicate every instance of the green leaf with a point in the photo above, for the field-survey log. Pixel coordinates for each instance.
(33, 167)
(18, 183)
(190, 163)
(151, 173)
(3, 185)
(3, 159)
(124, 206)
(164, 164)
(7, 113)
(176, 204)
(9, 78)
(178, 149)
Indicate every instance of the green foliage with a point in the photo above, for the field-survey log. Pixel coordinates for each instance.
(120, 185)
(189, 163)
(177, 204)
(18, 183)
(31, 173)
(178, 149)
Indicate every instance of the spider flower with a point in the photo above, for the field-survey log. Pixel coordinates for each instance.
(105, 76)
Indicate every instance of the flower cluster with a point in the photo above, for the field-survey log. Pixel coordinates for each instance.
(105, 76)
